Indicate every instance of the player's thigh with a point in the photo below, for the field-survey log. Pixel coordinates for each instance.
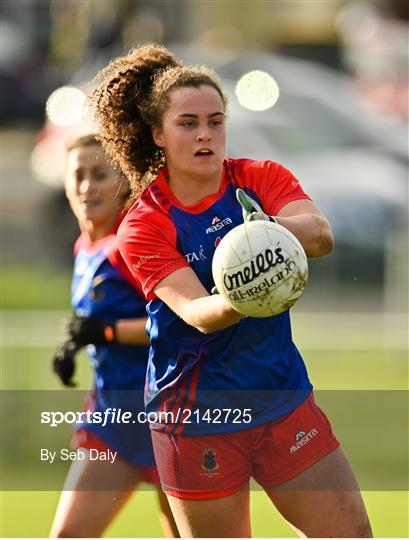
(324, 500)
(93, 494)
(166, 516)
(226, 517)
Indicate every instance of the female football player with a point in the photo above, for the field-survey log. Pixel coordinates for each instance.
(109, 318)
(235, 390)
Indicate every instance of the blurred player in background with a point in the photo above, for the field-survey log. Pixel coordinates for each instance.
(163, 123)
(110, 320)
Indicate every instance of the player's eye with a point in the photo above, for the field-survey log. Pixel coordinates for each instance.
(100, 175)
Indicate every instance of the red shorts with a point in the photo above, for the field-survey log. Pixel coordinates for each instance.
(213, 466)
(83, 438)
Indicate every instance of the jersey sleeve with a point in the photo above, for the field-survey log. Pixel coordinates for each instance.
(283, 188)
(147, 244)
(275, 185)
(115, 258)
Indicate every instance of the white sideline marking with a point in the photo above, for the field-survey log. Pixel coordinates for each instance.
(312, 330)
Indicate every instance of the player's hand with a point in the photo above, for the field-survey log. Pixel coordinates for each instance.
(85, 330)
(251, 210)
(64, 363)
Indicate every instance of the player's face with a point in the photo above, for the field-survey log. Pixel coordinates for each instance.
(94, 190)
(193, 134)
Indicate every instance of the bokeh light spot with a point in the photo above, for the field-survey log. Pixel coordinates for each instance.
(257, 91)
(66, 106)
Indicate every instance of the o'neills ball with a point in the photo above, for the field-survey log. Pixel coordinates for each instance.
(260, 268)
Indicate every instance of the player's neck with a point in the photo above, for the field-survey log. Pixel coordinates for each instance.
(96, 231)
(189, 189)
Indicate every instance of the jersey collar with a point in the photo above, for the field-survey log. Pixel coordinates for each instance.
(201, 206)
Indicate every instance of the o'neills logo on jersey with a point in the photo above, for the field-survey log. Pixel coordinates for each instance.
(259, 265)
(218, 224)
(302, 439)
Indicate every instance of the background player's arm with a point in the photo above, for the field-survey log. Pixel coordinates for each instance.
(183, 292)
(131, 331)
(90, 330)
(306, 222)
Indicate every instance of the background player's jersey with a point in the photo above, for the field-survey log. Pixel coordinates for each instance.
(253, 365)
(101, 288)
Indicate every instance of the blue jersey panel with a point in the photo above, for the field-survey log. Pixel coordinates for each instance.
(100, 290)
(253, 365)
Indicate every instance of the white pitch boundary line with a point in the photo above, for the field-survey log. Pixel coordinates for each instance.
(312, 330)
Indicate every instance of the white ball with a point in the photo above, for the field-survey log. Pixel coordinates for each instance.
(260, 268)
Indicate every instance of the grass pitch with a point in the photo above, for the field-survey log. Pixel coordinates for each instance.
(341, 360)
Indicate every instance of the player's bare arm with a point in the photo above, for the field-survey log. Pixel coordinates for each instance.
(183, 292)
(307, 223)
(131, 331)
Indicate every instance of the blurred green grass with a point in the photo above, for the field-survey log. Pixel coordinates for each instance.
(27, 367)
(34, 287)
(387, 511)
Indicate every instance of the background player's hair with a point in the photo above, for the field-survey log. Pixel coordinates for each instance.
(132, 95)
(81, 141)
(93, 139)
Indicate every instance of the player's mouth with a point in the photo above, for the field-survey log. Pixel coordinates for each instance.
(90, 203)
(204, 152)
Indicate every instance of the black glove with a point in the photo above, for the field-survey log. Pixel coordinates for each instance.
(64, 363)
(85, 330)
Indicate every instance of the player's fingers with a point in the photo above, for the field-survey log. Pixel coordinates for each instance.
(258, 216)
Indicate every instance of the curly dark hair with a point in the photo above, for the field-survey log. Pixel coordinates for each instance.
(131, 96)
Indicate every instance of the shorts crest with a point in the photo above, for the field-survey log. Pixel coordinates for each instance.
(209, 460)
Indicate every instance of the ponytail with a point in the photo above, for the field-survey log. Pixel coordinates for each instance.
(121, 104)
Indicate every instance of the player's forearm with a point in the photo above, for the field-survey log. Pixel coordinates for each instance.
(312, 230)
(131, 331)
(211, 314)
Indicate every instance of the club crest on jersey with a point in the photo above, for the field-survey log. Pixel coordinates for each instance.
(209, 460)
(97, 294)
(218, 224)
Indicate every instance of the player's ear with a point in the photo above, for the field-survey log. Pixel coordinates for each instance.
(157, 136)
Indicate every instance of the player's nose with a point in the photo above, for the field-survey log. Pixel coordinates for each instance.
(203, 136)
(85, 185)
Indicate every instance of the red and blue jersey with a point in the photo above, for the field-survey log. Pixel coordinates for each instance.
(102, 287)
(253, 365)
